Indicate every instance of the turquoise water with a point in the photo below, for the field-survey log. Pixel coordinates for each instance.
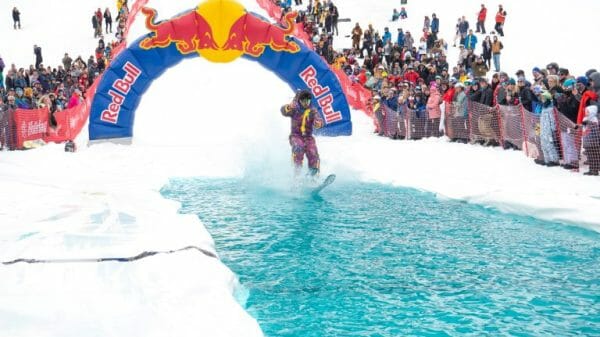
(372, 260)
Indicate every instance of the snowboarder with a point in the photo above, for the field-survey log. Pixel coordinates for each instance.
(304, 118)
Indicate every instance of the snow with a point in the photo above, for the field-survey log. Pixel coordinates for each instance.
(222, 120)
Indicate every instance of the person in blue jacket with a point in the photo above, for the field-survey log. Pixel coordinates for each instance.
(387, 36)
(470, 40)
(435, 24)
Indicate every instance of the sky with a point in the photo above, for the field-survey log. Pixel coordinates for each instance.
(222, 120)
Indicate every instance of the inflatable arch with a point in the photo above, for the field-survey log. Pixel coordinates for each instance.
(220, 31)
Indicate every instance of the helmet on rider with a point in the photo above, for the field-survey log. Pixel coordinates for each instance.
(304, 98)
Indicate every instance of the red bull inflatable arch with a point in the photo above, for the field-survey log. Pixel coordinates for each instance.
(219, 31)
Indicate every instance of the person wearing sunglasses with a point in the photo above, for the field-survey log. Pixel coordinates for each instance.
(304, 119)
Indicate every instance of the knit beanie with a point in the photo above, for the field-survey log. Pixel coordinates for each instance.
(596, 78)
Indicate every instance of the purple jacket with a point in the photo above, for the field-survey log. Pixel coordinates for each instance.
(302, 119)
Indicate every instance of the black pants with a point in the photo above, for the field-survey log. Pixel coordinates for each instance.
(499, 28)
(480, 27)
(17, 23)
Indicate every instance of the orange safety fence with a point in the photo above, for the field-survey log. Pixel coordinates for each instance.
(512, 127)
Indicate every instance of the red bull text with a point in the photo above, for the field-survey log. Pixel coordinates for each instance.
(121, 88)
(322, 94)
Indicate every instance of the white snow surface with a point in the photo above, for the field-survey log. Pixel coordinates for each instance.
(222, 120)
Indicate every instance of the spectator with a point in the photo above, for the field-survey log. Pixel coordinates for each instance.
(524, 94)
(95, 24)
(356, 35)
(108, 20)
(481, 19)
(435, 24)
(37, 50)
(591, 139)
(75, 99)
(552, 68)
(497, 46)
(67, 61)
(480, 68)
(335, 15)
(548, 131)
(463, 28)
(403, 13)
(426, 23)
(500, 18)
(6, 122)
(457, 32)
(470, 40)
(487, 95)
(395, 15)
(98, 14)
(16, 16)
(434, 111)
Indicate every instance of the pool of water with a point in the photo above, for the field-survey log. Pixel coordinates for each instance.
(373, 260)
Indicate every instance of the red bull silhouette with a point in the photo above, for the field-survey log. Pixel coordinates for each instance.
(189, 31)
(250, 34)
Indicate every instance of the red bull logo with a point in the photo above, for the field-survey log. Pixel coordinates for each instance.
(189, 32)
(252, 35)
(220, 31)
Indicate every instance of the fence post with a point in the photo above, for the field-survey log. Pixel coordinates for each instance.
(469, 116)
(525, 134)
(500, 125)
(557, 133)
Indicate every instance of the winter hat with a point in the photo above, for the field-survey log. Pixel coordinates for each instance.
(552, 65)
(536, 70)
(589, 72)
(591, 114)
(28, 92)
(569, 83)
(537, 89)
(512, 81)
(583, 80)
(596, 78)
(563, 71)
(459, 85)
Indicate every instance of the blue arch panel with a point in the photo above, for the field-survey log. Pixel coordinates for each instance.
(132, 72)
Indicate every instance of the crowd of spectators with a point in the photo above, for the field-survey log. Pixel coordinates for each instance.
(57, 88)
(406, 72)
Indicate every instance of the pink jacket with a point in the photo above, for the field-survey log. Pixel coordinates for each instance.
(433, 104)
(73, 101)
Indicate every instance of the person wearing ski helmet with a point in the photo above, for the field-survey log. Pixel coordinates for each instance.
(304, 119)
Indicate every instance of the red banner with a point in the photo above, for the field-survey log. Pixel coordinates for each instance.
(30, 125)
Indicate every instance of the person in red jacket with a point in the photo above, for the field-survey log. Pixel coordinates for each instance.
(500, 18)
(481, 19)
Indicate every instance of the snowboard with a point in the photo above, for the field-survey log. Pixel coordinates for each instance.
(326, 182)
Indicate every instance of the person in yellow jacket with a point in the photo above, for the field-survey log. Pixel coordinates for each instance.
(120, 4)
